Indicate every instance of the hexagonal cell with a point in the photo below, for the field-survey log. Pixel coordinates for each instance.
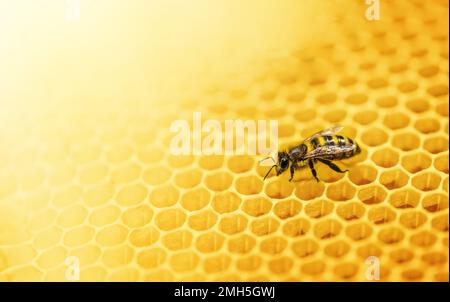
(427, 125)
(426, 181)
(356, 99)
(164, 196)
(257, 206)
(264, 226)
(423, 239)
(441, 163)
(241, 244)
(385, 157)
(174, 241)
(296, 227)
(202, 220)
(219, 181)
(391, 235)
(279, 189)
(305, 247)
(132, 194)
(319, 208)
(362, 174)
(394, 179)
(412, 220)
(170, 219)
(211, 162)
(350, 211)
(401, 255)
(233, 224)
(387, 101)
(396, 120)
(418, 105)
(416, 162)
(406, 141)
(365, 117)
(374, 137)
(435, 202)
(436, 145)
(381, 215)
(406, 198)
(195, 199)
(287, 208)
(273, 245)
(359, 231)
(327, 229)
(225, 202)
(188, 178)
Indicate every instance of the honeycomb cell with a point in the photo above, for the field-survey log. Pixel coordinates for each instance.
(405, 198)
(327, 229)
(225, 202)
(362, 174)
(418, 105)
(438, 90)
(249, 185)
(407, 86)
(264, 226)
(125, 173)
(365, 117)
(104, 215)
(427, 125)
(436, 145)
(132, 194)
(72, 216)
(164, 196)
(287, 208)
(412, 220)
(195, 199)
(67, 196)
(401, 255)
(111, 235)
(441, 163)
(396, 120)
(296, 227)
(434, 258)
(337, 249)
(315, 267)
(326, 98)
(393, 179)
(257, 206)
(423, 239)
(416, 162)
(170, 219)
(188, 179)
(143, 237)
(273, 245)
(156, 175)
(137, 216)
(319, 208)
(387, 101)
(359, 231)
(98, 195)
(356, 99)
(305, 115)
(216, 264)
(386, 158)
(209, 242)
(279, 189)
(242, 244)
(442, 109)
(406, 141)
(240, 164)
(341, 191)
(250, 263)
(220, 181)
(350, 211)
(435, 202)
(440, 223)
(391, 235)
(47, 238)
(426, 181)
(374, 137)
(202, 220)
(381, 215)
(368, 250)
(176, 240)
(52, 257)
(211, 162)
(118, 256)
(372, 195)
(233, 224)
(78, 236)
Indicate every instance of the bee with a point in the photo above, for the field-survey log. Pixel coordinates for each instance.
(323, 146)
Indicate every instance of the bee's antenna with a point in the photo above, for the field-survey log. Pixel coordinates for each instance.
(268, 172)
(273, 160)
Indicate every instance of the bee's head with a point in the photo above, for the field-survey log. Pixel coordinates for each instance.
(283, 162)
(281, 165)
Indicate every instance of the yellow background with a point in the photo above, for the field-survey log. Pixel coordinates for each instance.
(85, 168)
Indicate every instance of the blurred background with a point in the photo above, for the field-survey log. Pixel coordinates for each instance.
(88, 90)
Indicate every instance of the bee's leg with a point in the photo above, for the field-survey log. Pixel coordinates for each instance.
(313, 170)
(292, 170)
(332, 165)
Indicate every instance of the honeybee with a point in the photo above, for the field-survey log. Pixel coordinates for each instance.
(323, 146)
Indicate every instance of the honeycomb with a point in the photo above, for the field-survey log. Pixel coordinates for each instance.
(101, 184)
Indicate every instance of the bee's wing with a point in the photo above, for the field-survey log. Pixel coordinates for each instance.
(328, 150)
(326, 132)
